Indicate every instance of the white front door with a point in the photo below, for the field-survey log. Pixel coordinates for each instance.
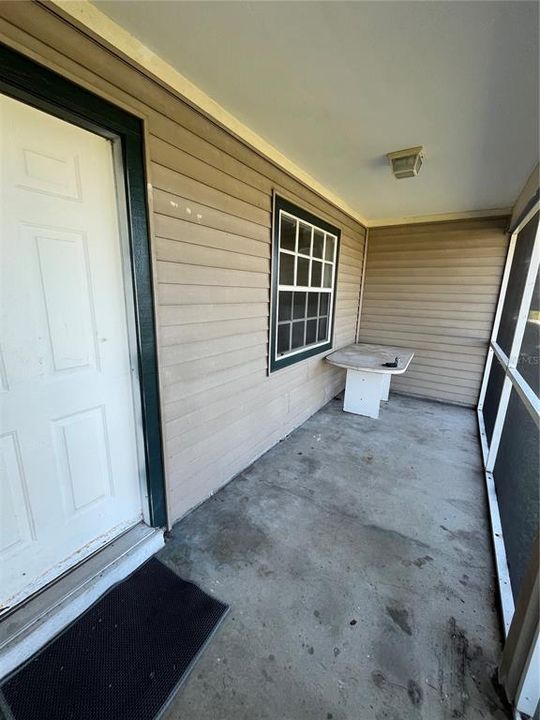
(69, 468)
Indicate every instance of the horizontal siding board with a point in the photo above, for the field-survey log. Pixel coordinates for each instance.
(447, 306)
(177, 251)
(464, 330)
(174, 229)
(459, 369)
(186, 429)
(173, 158)
(166, 203)
(171, 294)
(447, 248)
(215, 348)
(419, 260)
(433, 287)
(442, 378)
(224, 438)
(176, 183)
(429, 299)
(459, 289)
(437, 276)
(194, 384)
(228, 384)
(415, 342)
(183, 372)
(198, 315)
(435, 321)
(424, 315)
(428, 387)
(442, 395)
(184, 139)
(179, 273)
(197, 332)
(435, 357)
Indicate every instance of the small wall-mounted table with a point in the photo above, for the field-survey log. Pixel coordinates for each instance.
(368, 380)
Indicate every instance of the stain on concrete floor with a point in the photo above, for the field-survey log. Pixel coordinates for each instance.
(356, 559)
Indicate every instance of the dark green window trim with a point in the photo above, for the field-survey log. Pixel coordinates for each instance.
(26, 80)
(278, 362)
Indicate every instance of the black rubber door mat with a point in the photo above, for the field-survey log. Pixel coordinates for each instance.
(124, 658)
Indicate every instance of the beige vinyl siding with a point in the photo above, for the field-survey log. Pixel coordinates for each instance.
(433, 287)
(210, 197)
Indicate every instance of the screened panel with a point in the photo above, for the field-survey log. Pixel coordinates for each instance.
(528, 362)
(516, 284)
(516, 483)
(493, 395)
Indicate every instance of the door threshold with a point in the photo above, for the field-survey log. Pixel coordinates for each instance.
(26, 630)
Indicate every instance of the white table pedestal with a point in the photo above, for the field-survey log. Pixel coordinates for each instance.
(385, 388)
(364, 391)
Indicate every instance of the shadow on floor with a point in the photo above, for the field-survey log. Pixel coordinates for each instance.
(356, 559)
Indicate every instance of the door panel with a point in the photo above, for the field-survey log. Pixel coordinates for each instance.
(68, 437)
(68, 305)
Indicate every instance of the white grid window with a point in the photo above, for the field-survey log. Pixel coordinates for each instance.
(306, 261)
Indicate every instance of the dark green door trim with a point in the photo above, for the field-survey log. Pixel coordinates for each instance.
(26, 80)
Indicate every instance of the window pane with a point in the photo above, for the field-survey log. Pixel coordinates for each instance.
(286, 269)
(283, 338)
(323, 322)
(493, 396)
(288, 233)
(302, 272)
(316, 273)
(313, 304)
(529, 356)
(311, 332)
(329, 250)
(298, 334)
(299, 310)
(318, 242)
(327, 280)
(516, 283)
(304, 239)
(304, 276)
(285, 305)
(516, 482)
(323, 309)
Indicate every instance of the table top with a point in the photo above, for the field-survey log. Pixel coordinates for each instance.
(370, 358)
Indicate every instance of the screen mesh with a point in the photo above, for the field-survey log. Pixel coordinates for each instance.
(493, 395)
(516, 482)
(529, 356)
(516, 284)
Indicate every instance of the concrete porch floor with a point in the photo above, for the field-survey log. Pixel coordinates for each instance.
(356, 559)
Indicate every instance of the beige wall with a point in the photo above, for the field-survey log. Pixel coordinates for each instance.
(211, 200)
(433, 287)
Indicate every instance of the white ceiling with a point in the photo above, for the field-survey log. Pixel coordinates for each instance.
(336, 85)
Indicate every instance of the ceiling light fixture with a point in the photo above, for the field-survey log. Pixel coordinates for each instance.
(406, 163)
